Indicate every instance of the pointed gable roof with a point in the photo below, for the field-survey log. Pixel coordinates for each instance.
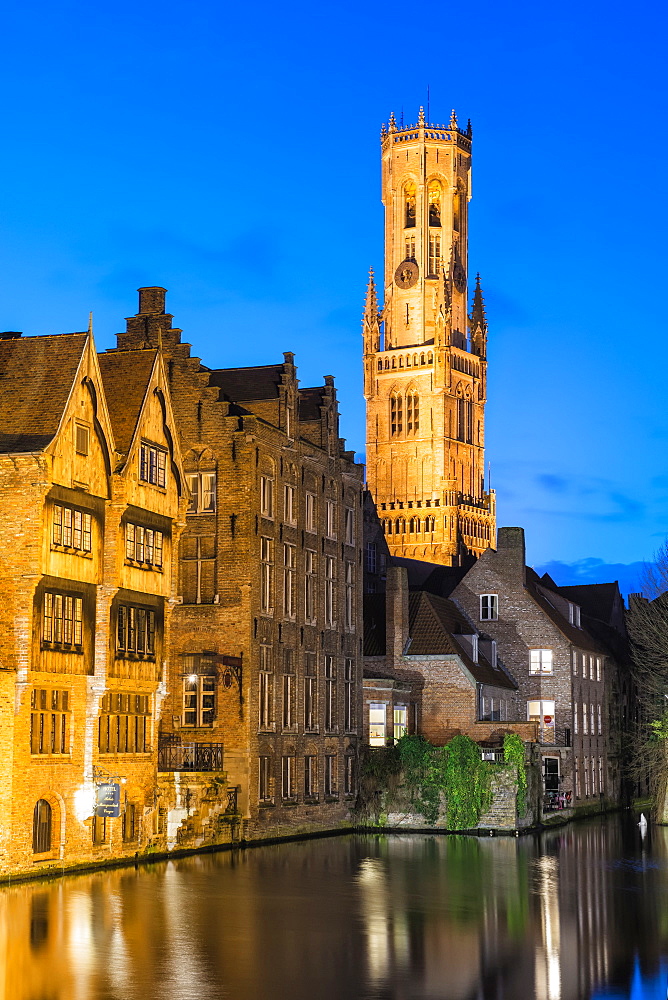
(36, 379)
(126, 376)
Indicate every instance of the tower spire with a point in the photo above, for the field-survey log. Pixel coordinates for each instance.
(370, 320)
(478, 321)
(453, 119)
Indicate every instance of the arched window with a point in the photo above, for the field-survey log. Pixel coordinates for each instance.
(394, 362)
(388, 527)
(387, 362)
(41, 827)
(410, 193)
(412, 413)
(456, 211)
(408, 361)
(411, 526)
(434, 203)
(396, 414)
(430, 358)
(380, 364)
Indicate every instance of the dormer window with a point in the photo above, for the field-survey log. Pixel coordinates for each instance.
(474, 648)
(574, 615)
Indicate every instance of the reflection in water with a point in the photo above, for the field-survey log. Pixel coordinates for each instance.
(573, 914)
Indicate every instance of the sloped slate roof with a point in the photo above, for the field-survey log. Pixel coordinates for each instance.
(433, 577)
(596, 599)
(36, 378)
(580, 637)
(310, 401)
(125, 376)
(238, 384)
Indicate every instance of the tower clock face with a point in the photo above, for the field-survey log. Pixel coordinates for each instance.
(459, 276)
(406, 274)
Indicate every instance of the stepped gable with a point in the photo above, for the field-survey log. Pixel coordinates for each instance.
(434, 624)
(247, 384)
(36, 379)
(311, 400)
(125, 376)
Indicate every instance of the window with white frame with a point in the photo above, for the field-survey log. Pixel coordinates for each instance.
(330, 577)
(266, 781)
(584, 719)
(489, 607)
(400, 714)
(350, 596)
(289, 580)
(574, 614)
(575, 662)
(350, 526)
(288, 784)
(584, 664)
(591, 718)
(330, 525)
(598, 668)
(330, 694)
(310, 585)
(266, 574)
(266, 689)
(540, 661)
(474, 648)
(143, 545)
(586, 776)
(202, 486)
(152, 464)
(348, 695)
(310, 694)
(377, 712)
(599, 720)
(71, 528)
(267, 496)
(601, 780)
(289, 504)
(575, 717)
(542, 712)
(199, 701)
(331, 782)
(309, 512)
(310, 776)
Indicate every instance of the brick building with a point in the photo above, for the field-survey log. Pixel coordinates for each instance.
(565, 669)
(428, 670)
(91, 494)
(265, 653)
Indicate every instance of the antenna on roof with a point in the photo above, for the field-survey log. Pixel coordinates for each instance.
(489, 477)
(428, 118)
(90, 322)
(402, 118)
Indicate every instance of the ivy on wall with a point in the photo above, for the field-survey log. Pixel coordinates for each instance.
(513, 753)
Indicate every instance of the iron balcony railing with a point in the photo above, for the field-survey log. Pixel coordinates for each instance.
(190, 757)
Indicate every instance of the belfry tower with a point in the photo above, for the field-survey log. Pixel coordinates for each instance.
(425, 367)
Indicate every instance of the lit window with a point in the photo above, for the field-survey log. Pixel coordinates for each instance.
(202, 486)
(542, 712)
(434, 192)
(489, 607)
(410, 194)
(540, 661)
(400, 714)
(152, 464)
(199, 700)
(377, 724)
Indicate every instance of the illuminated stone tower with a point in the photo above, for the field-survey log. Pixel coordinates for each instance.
(425, 366)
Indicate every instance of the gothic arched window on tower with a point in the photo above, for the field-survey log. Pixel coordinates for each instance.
(434, 203)
(412, 413)
(434, 254)
(396, 414)
(456, 208)
(410, 195)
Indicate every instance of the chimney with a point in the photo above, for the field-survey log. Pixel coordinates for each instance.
(152, 300)
(511, 551)
(396, 614)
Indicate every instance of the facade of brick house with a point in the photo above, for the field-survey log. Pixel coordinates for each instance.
(564, 671)
(427, 670)
(266, 641)
(91, 495)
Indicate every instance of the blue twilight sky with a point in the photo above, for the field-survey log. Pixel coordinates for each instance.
(230, 153)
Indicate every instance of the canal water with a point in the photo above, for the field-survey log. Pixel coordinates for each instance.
(579, 913)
